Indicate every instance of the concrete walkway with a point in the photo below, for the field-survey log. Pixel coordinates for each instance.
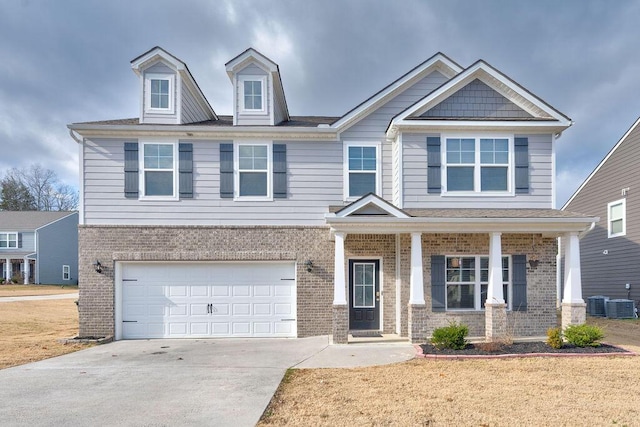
(222, 382)
(39, 297)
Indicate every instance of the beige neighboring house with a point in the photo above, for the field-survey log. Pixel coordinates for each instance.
(429, 202)
(39, 247)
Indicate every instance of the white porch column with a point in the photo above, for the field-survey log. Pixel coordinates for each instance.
(572, 275)
(494, 289)
(339, 283)
(26, 270)
(416, 290)
(7, 269)
(574, 309)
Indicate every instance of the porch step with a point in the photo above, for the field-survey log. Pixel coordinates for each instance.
(375, 337)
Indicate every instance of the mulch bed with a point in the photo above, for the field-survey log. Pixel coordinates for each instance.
(520, 348)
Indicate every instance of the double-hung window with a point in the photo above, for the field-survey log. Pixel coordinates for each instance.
(159, 93)
(159, 170)
(617, 218)
(8, 240)
(252, 94)
(362, 168)
(477, 165)
(467, 281)
(253, 170)
(66, 272)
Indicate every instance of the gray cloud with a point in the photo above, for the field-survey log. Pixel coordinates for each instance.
(68, 61)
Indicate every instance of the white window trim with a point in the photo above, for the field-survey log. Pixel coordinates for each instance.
(263, 82)
(477, 166)
(9, 233)
(66, 271)
(478, 284)
(623, 202)
(236, 171)
(147, 93)
(345, 172)
(141, 169)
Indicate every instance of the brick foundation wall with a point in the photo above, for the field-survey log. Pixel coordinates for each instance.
(196, 243)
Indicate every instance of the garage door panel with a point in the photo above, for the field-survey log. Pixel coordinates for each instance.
(262, 310)
(208, 300)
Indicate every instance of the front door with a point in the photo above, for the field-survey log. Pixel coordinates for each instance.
(364, 294)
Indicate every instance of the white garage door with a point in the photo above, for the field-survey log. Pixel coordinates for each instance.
(193, 300)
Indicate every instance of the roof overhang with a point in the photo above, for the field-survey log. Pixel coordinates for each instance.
(205, 132)
(552, 227)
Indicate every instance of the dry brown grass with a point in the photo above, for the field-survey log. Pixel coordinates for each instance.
(28, 290)
(30, 330)
(423, 392)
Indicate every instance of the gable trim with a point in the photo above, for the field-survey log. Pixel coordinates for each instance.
(371, 199)
(439, 62)
(597, 168)
(485, 73)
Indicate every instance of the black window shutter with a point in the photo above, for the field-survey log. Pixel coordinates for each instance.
(434, 184)
(185, 158)
(519, 283)
(438, 285)
(226, 171)
(521, 148)
(280, 171)
(19, 240)
(131, 170)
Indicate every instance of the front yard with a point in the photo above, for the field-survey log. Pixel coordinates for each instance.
(30, 330)
(580, 391)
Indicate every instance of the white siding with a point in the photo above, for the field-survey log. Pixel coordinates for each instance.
(161, 68)
(314, 175)
(415, 179)
(254, 119)
(191, 111)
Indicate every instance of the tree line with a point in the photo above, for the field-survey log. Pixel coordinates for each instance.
(35, 189)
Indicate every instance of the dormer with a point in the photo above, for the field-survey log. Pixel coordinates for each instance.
(168, 92)
(258, 98)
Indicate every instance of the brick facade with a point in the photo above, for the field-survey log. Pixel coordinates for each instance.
(316, 313)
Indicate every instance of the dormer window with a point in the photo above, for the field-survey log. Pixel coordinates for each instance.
(159, 93)
(252, 95)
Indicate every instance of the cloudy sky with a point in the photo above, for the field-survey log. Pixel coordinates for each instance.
(68, 61)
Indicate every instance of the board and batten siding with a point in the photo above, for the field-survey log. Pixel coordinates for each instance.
(267, 93)
(372, 127)
(314, 182)
(414, 179)
(607, 264)
(161, 68)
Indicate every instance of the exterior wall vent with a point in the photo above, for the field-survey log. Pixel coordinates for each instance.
(620, 309)
(596, 306)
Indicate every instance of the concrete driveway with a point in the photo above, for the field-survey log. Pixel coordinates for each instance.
(168, 382)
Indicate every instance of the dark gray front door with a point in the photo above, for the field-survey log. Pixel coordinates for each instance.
(364, 294)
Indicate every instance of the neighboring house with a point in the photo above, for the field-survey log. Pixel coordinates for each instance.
(39, 247)
(610, 253)
(429, 202)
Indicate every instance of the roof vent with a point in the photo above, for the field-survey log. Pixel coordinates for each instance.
(620, 309)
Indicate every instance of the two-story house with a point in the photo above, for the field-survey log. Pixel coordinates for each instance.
(429, 202)
(39, 247)
(610, 252)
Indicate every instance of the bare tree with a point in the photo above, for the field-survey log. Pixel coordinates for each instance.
(46, 192)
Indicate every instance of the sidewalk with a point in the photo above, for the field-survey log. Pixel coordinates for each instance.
(39, 297)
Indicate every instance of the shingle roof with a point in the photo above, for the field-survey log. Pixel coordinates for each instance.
(295, 121)
(28, 220)
(485, 213)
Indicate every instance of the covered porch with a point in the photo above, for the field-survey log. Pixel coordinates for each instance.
(492, 269)
(17, 266)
